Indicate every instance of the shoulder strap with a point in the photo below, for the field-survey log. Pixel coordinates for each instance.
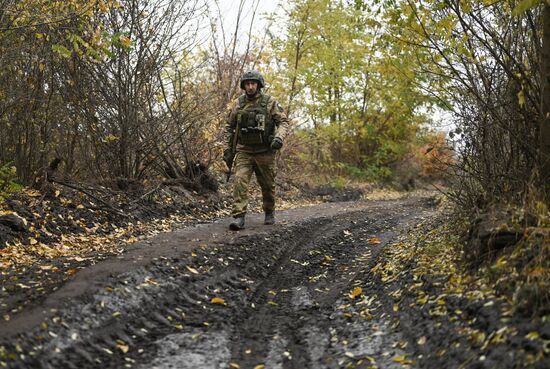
(265, 100)
(242, 101)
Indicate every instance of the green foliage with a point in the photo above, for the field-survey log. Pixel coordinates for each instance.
(339, 183)
(8, 174)
(357, 88)
(524, 6)
(373, 173)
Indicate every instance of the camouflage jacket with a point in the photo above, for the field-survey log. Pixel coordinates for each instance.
(276, 113)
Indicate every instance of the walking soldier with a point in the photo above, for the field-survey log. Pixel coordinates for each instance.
(255, 130)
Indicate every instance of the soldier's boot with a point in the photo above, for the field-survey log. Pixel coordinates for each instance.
(237, 224)
(269, 218)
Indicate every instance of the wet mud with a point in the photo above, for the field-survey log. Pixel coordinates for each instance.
(279, 296)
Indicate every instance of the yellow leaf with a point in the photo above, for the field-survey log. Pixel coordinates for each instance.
(123, 348)
(33, 241)
(234, 365)
(261, 366)
(521, 98)
(357, 291)
(192, 270)
(395, 307)
(422, 300)
(125, 41)
(57, 193)
(421, 340)
(218, 301)
(402, 360)
(532, 335)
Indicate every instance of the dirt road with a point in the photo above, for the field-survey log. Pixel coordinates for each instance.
(205, 297)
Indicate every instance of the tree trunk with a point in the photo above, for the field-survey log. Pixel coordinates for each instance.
(545, 100)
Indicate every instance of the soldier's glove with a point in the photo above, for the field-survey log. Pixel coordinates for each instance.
(228, 156)
(277, 143)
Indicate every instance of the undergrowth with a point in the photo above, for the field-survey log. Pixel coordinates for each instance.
(8, 175)
(520, 275)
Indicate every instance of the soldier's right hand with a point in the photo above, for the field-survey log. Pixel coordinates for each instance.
(228, 156)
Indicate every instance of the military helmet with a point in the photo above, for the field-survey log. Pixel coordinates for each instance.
(252, 75)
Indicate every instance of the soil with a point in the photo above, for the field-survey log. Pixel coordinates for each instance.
(297, 294)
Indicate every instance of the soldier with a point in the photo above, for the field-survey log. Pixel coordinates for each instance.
(255, 130)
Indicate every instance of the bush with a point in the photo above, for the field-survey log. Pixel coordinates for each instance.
(8, 174)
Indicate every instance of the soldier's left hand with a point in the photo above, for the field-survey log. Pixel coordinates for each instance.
(277, 143)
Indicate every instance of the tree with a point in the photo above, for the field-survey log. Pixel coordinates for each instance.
(545, 100)
(339, 68)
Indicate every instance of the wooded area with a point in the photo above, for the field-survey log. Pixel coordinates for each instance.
(129, 90)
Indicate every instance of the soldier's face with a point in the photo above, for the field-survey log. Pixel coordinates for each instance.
(251, 87)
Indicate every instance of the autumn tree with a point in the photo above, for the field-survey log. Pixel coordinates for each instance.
(484, 61)
(337, 67)
(35, 36)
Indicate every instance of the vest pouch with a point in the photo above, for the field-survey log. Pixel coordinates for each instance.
(251, 137)
(260, 122)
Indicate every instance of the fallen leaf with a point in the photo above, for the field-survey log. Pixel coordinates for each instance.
(402, 360)
(373, 241)
(357, 291)
(260, 366)
(234, 365)
(122, 347)
(421, 340)
(532, 335)
(217, 301)
(192, 270)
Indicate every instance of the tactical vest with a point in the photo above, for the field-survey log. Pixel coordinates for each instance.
(255, 122)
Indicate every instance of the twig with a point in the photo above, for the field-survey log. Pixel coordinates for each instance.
(147, 194)
(74, 187)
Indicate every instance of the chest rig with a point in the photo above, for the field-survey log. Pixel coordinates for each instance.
(255, 122)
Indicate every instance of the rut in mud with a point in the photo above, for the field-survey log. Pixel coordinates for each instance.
(207, 298)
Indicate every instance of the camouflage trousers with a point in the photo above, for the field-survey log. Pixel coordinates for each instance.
(263, 165)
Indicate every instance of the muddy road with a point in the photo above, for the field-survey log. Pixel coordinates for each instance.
(205, 297)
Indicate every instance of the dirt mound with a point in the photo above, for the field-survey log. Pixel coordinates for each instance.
(331, 193)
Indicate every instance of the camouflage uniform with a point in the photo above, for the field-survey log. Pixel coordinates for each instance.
(253, 152)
